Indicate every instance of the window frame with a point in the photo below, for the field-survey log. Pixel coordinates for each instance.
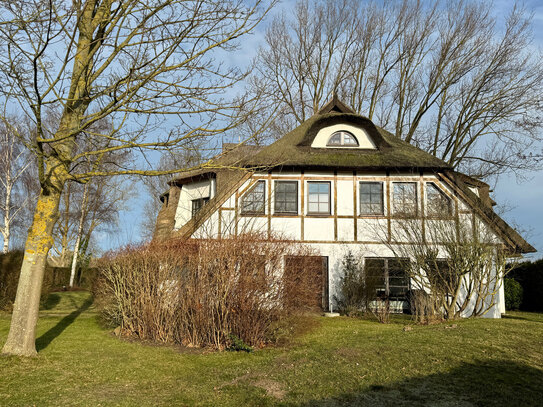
(396, 211)
(437, 214)
(275, 201)
(203, 201)
(251, 190)
(329, 210)
(385, 288)
(342, 134)
(363, 213)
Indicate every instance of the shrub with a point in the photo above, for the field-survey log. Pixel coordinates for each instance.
(199, 292)
(10, 268)
(530, 276)
(513, 294)
(358, 292)
(352, 296)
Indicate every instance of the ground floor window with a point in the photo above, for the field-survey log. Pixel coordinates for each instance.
(388, 277)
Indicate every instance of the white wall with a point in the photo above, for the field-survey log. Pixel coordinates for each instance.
(337, 233)
(190, 191)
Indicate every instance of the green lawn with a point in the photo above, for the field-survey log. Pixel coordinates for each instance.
(341, 361)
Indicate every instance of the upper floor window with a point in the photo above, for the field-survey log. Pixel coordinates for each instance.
(286, 197)
(318, 197)
(342, 139)
(253, 202)
(371, 198)
(405, 198)
(438, 204)
(197, 204)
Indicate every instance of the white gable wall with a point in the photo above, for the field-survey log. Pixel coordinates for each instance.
(189, 192)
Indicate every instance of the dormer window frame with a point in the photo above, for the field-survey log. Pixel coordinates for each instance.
(343, 136)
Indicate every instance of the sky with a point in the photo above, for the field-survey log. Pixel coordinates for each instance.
(520, 199)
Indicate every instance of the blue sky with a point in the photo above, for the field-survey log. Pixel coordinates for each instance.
(521, 199)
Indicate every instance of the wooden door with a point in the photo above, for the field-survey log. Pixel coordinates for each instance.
(306, 282)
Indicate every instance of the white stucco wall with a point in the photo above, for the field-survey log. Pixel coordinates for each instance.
(337, 233)
(190, 191)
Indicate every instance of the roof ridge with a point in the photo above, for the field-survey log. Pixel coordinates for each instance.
(335, 106)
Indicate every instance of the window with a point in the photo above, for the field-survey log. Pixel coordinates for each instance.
(438, 204)
(253, 202)
(388, 277)
(318, 197)
(342, 139)
(197, 204)
(440, 275)
(286, 197)
(405, 198)
(371, 198)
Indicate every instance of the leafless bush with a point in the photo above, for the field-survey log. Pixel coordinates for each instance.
(203, 292)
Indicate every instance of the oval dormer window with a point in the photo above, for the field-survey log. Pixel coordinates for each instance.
(342, 139)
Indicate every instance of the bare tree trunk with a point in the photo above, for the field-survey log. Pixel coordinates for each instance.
(7, 220)
(79, 233)
(22, 333)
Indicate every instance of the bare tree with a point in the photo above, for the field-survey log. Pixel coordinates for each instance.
(134, 62)
(456, 266)
(16, 183)
(445, 76)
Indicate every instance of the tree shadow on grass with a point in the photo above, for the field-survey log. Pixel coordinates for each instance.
(482, 383)
(509, 316)
(51, 302)
(44, 340)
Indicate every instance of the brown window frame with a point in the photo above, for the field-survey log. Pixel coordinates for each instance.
(275, 200)
(365, 213)
(250, 192)
(437, 214)
(202, 201)
(400, 212)
(329, 210)
(386, 277)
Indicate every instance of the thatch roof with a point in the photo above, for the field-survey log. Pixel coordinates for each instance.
(294, 149)
(506, 232)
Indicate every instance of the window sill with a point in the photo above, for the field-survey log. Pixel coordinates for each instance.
(286, 214)
(253, 214)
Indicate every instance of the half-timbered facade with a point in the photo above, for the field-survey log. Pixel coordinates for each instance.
(337, 183)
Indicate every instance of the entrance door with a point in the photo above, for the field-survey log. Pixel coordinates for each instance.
(306, 282)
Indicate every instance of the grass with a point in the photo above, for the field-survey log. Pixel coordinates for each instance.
(341, 361)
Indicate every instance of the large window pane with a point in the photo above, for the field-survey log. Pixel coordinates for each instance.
(371, 198)
(387, 277)
(286, 197)
(438, 204)
(318, 197)
(253, 202)
(405, 198)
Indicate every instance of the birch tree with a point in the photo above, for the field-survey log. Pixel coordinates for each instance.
(16, 192)
(155, 69)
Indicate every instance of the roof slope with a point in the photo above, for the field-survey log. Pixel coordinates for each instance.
(505, 231)
(294, 149)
